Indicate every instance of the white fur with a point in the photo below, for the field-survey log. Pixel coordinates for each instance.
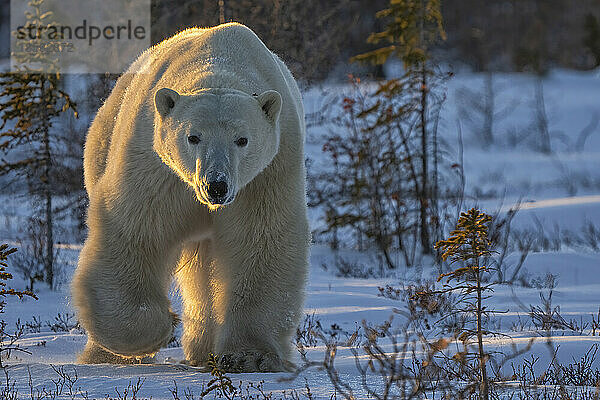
(241, 267)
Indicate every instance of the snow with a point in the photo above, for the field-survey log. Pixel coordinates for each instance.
(556, 191)
(343, 301)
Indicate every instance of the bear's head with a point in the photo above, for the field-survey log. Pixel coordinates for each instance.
(216, 140)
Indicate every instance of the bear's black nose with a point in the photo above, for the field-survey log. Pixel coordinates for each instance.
(217, 190)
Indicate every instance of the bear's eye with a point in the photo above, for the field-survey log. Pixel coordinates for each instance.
(242, 142)
(193, 139)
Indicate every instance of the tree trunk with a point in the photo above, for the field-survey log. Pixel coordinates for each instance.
(542, 119)
(488, 124)
(483, 389)
(49, 267)
(49, 259)
(424, 195)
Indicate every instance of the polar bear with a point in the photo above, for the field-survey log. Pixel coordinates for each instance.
(194, 168)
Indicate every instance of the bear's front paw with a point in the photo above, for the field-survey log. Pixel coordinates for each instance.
(94, 354)
(146, 333)
(253, 361)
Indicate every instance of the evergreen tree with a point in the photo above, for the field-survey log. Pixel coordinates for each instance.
(469, 244)
(32, 101)
(412, 27)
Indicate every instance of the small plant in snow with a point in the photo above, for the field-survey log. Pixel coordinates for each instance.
(34, 326)
(468, 245)
(63, 323)
(8, 340)
(220, 383)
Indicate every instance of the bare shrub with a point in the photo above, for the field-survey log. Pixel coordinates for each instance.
(8, 340)
(30, 261)
(64, 323)
(34, 326)
(579, 379)
(371, 195)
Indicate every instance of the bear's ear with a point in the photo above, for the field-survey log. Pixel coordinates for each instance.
(270, 102)
(164, 101)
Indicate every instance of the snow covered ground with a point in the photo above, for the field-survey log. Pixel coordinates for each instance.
(560, 191)
(331, 300)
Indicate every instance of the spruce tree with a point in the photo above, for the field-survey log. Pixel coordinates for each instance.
(412, 26)
(32, 101)
(469, 245)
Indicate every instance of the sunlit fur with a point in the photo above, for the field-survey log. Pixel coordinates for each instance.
(241, 267)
